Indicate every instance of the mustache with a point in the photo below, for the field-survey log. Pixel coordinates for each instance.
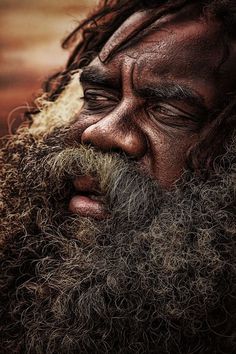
(37, 185)
(128, 192)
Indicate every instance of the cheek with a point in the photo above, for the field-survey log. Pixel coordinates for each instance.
(168, 156)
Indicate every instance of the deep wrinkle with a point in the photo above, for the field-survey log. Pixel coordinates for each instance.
(136, 28)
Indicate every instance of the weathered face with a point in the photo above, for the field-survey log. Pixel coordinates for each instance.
(152, 99)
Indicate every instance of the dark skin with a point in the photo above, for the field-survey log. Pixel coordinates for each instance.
(152, 100)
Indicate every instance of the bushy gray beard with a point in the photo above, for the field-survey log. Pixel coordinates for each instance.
(158, 276)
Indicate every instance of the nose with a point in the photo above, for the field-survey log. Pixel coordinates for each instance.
(113, 133)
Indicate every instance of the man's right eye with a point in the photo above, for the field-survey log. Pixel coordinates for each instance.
(97, 100)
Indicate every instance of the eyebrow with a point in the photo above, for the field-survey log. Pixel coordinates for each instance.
(174, 91)
(95, 76)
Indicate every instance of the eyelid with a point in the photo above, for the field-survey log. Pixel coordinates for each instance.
(175, 111)
(179, 121)
(176, 125)
(100, 93)
(98, 97)
(98, 101)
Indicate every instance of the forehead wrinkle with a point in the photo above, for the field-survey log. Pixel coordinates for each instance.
(209, 53)
(137, 25)
(127, 79)
(140, 24)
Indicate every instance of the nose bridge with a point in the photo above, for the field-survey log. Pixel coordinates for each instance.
(117, 131)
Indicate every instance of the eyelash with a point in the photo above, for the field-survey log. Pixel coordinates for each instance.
(168, 116)
(95, 101)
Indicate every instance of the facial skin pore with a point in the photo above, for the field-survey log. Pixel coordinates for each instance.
(152, 99)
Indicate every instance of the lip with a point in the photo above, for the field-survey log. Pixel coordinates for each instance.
(88, 201)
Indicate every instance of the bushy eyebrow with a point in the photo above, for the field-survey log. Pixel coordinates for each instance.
(95, 76)
(174, 91)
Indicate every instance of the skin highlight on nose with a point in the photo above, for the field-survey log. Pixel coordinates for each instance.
(108, 135)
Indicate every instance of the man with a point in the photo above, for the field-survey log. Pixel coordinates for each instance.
(118, 227)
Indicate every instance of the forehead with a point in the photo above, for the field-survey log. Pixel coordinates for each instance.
(178, 47)
(171, 47)
(188, 51)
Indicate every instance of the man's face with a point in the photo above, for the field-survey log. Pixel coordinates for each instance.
(152, 99)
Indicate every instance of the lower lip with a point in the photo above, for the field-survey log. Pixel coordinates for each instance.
(87, 207)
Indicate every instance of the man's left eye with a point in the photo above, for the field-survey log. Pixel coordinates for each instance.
(169, 110)
(173, 116)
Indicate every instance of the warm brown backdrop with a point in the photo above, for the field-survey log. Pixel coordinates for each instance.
(30, 35)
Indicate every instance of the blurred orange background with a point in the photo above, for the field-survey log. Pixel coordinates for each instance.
(31, 33)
